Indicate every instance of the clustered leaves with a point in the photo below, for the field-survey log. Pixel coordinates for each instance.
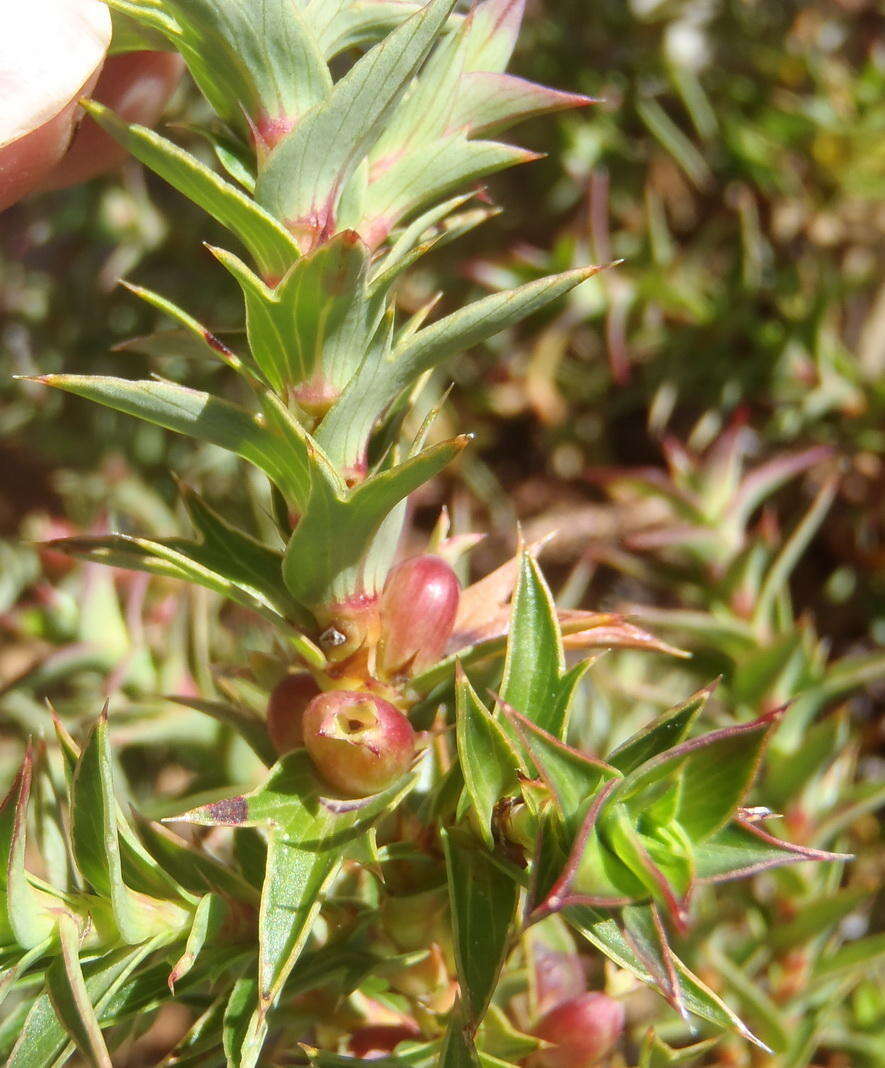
(426, 836)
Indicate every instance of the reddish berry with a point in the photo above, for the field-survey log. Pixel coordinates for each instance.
(581, 1031)
(359, 743)
(285, 710)
(377, 1040)
(418, 609)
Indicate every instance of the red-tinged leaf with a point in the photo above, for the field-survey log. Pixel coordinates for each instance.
(665, 732)
(716, 772)
(743, 849)
(489, 103)
(632, 849)
(28, 924)
(492, 34)
(601, 930)
(766, 478)
(583, 879)
(644, 930)
(487, 598)
(614, 633)
(573, 777)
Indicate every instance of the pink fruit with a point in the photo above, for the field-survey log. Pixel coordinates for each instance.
(581, 1031)
(285, 710)
(359, 743)
(418, 608)
(50, 54)
(135, 85)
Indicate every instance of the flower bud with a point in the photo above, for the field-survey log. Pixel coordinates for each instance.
(581, 1032)
(418, 609)
(359, 743)
(285, 710)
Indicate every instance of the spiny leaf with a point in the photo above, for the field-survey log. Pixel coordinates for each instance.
(196, 414)
(319, 568)
(304, 176)
(535, 659)
(272, 247)
(21, 916)
(99, 848)
(716, 772)
(484, 900)
(313, 323)
(488, 760)
(572, 777)
(601, 930)
(742, 849)
(345, 430)
(661, 735)
(242, 54)
(70, 997)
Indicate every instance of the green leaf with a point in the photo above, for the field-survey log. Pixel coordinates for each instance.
(270, 244)
(100, 848)
(535, 659)
(572, 777)
(192, 562)
(238, 1015)
(70, 997)
(42, 1039)
(656, 1053)
(458, 1048)
(345, 430)
(488, 760)
(307, 830)
(209, 918)
(716, 772)
(242, 54)
(196, 414)
(294, 882)
(743, 849)
(318, 568)
(660, 735)
(429, 173)
(601, 930)
(483, 900)
(195, 340)
(21, 915)
(304, 176)
(314, 322)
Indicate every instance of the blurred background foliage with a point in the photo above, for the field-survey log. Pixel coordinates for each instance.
(704, 425)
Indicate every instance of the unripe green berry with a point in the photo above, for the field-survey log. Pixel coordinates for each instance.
(359, 743)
